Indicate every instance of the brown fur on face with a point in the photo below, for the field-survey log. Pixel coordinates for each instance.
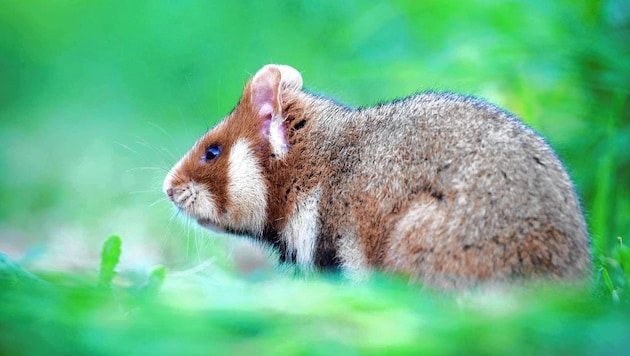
(241, 124)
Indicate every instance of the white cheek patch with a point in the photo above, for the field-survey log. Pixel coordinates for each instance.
(302, 229)
(247, 192)
(204, 206)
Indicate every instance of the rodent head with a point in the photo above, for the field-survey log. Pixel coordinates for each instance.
(221, 181)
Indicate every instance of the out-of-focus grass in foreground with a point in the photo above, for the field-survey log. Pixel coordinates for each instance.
(210, 313)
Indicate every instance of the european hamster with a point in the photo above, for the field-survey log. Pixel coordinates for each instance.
(447, 189)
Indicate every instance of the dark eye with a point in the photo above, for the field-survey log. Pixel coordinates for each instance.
(212, 152)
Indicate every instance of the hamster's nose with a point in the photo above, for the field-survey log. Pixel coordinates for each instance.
(170, 192)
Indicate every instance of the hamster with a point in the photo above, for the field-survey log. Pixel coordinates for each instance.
(448, 190)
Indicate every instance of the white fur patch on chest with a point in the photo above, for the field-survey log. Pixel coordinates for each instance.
(302, 229)
(247, 192)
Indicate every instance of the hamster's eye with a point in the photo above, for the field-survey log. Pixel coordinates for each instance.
(212, 152)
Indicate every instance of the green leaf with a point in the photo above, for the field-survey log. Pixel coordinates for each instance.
(621, 253)
(109, 260)
(155, 281)
(605, 287)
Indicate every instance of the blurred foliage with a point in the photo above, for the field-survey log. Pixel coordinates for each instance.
(209, 313)
(99, 98)
(110, 256)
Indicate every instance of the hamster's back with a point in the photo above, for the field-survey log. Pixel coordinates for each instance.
(463, 192)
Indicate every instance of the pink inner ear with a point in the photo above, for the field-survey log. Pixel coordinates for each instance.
(265, 111)
(264, 93)
(264, 128)
(266, 104)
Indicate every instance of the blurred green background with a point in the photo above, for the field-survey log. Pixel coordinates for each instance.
(99, 98)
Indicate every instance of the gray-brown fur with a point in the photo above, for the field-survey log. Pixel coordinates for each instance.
(446, 188)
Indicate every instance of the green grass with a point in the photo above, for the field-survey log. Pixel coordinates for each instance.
(282, 314)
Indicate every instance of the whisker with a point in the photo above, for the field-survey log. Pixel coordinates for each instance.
(187, 239)
(155, 147)
(198, 268)
(159, 200)
(161, 152)
(197, 244)
(161, 129)
(143, 191)
(127, 147)
(147, 169)
(168, 231)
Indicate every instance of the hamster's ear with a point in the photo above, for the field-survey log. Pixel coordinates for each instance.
(266, 97)
(268, 84)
